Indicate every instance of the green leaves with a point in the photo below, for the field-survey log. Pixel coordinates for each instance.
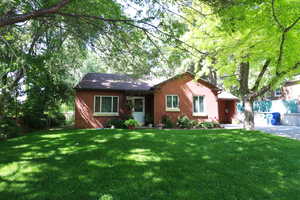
(247, 31)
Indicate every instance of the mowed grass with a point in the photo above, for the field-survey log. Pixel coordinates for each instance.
(150, 164)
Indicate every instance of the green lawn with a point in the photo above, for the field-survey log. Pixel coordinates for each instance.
(150, 164)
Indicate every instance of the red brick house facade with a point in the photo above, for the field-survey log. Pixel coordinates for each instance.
(101, 97)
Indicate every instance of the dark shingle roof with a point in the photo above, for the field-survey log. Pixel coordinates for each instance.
(101, 81)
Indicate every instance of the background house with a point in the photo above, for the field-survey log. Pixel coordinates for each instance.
(285, 100)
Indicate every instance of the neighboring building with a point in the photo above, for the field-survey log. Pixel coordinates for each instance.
(289, 91)
(101, 97)
(285, 100)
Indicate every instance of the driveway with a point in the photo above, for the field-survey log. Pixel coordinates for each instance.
(285, 131)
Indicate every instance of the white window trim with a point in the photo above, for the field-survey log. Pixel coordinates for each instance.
(106, 113)
(172, 109)
(200, 114)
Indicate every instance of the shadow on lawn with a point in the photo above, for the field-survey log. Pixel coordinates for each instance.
(150, 164)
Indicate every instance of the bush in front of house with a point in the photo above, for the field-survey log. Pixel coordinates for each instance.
(125, 117)
(9, 128)
(148, 119)
(208, 125)
(131, 123)
(185, 122)
(166, 120)
(117, 123)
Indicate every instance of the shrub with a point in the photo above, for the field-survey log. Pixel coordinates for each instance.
(216, 124)
(131, 123)
(35, 121)
(42, 121)
(185, 122)
(9, 128)
(166, 120)
(194, 123)
(148, 119)
(208, 125)
(57, 119)
(117, 123)
(126, 117)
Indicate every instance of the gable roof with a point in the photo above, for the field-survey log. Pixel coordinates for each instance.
(204, 82)
(227, 96)
(102, 81)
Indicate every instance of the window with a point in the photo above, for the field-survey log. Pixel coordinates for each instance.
(277, 93)
(138, 105)
(172, 103)
(106, 104)
(198, 104)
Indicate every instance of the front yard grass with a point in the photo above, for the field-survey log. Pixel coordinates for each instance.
(150, 164)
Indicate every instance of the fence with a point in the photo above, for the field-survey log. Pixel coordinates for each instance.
(289, 110)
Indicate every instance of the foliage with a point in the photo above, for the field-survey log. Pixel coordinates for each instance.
(126, 116)
(131, 123)
(44, 56)
(238, 33)
(252, 44)
(184, 122)
(229, 164)
(9, 128)
(148, 119)
(166, 120)
(206, 125)
(35, 121)
(57, 119)
(38, 120)
(117, 123)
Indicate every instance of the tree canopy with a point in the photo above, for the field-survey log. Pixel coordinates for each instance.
(44, 44)
(252, 44)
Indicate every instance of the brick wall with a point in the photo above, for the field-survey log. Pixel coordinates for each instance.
(84, 109)
(185, 87)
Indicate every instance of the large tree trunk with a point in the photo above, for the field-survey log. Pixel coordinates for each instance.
(249, 114)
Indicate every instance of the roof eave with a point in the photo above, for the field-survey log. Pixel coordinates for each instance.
(110, 89)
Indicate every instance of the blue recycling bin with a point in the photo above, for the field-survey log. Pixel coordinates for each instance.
(275, 118)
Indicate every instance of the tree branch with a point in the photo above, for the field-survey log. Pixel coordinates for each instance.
(93, 17)
(292, 25)
(275, 16)
(261, 74)
(283, 37)
(13, 19)
(274, 81)
(171, 36)
(155, 45)
(131, 23)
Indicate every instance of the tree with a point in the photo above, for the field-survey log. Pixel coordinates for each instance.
(254, 44)
(42, 41)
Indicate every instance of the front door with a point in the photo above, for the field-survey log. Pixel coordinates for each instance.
(226, 112)
(138, 110)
